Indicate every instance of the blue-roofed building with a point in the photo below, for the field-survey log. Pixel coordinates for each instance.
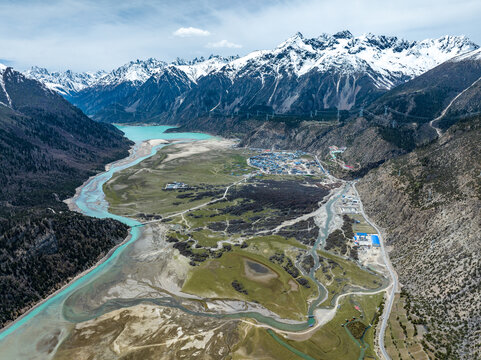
(375, 240)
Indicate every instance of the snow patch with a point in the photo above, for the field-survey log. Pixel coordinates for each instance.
(474, 55)
(2, 85)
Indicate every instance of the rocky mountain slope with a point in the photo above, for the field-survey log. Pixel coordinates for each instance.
(396, 123)
(447, 91)
(48, 147)
(299, 76)
(429, 203)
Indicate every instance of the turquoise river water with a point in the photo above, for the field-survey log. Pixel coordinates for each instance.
(54, 318)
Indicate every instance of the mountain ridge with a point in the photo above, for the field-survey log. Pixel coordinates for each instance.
(428, 202)
(343, 72)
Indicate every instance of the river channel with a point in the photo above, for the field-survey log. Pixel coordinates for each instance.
(52, 320)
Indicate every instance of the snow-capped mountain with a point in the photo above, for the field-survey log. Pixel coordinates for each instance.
(446, 92)
(200, 67)
(136, 72)
(390, 57)
(300, 75)
(65, 83)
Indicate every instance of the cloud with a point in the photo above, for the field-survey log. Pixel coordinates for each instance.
(89, 35)
(190, 31)
(224, 44)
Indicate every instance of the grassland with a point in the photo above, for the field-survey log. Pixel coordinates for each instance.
(141, 188)
(403, 338)
(333, 341)
(362, 226)
(337, 274)
(268, 245)
(280, 293)
(258, 344)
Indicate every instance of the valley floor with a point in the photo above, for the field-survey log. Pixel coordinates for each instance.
(228, 258)
(230, 262)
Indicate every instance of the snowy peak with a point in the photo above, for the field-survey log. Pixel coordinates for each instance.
(200, 67)
(450, 43)
(198, 60)
(66, 82)
(297, 39)
(474, 55)
(345, 34)
(136, 72)
(388, 60)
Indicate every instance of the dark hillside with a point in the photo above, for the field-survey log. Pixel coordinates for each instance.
(47, 149)
(424, 98)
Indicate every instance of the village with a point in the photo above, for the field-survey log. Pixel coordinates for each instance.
(285, 163)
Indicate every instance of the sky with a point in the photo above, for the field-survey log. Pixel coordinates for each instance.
(90, 35)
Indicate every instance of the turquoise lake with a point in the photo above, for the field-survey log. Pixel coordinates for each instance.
(142, 133)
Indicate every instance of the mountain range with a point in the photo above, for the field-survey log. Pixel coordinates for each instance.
(300, 76)
(407, 112)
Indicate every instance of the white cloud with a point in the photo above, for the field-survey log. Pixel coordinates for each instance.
(91, 34)
(190, 31)
(224, 44)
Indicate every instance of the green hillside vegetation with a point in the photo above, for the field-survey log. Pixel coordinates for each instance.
(339, 275)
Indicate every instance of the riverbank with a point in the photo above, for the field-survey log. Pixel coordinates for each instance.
(137, 151)
(153, 270)
(68, 283)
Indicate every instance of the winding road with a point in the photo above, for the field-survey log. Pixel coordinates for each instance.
(394, 279)
(443, 113)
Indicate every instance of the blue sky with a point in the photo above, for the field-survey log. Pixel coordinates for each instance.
(103, 34)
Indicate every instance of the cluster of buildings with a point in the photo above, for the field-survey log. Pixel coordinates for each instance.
(349, 205)
(176, 185)
(366, 240)
(284, 163)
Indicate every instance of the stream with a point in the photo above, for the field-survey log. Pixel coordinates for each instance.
(53, 319)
